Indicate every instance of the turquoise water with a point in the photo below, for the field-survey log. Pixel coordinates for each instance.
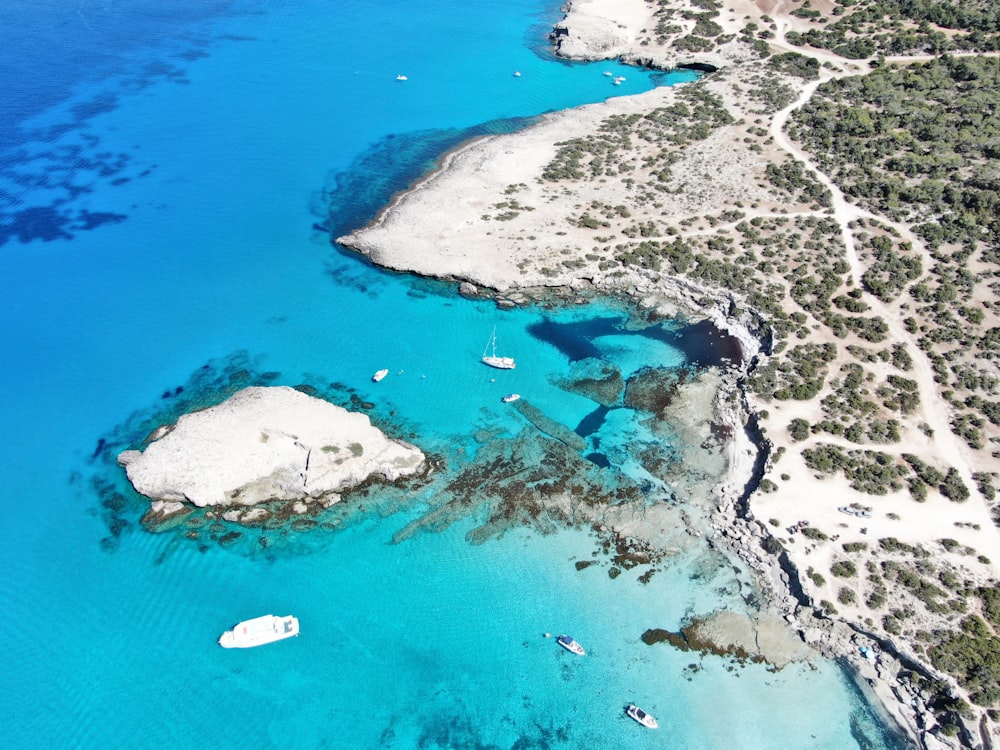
(170, 180)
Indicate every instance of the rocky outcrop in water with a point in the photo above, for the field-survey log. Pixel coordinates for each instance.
(264, 445)
(596, 379)
(764, 638)
(653, 389)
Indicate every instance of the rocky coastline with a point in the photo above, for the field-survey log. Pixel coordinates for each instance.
(460, 223)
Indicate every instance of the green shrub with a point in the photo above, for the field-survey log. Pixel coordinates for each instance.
(954, 488)
(844, 569)
(772, 546)
(798, 429)
(876, 599)
(846, 595)
(813, 533)
(817, 578)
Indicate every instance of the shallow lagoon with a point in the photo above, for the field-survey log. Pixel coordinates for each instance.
(174, 213)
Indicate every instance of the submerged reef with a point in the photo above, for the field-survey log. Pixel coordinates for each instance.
(596, 379)
(531, 480)
(617, 474)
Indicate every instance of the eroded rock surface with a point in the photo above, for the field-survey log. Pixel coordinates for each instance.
(265, 444)
(764, 638)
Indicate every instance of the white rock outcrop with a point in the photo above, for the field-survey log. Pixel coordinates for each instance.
(601, 29)
(265, 444)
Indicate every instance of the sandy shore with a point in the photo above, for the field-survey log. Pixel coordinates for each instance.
(486, 218)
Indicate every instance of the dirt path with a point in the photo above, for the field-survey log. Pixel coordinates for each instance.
(934, 409)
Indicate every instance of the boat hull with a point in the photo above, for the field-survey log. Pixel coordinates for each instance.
(501, 363)
(570, 645)
(260, 631)
(636, 713)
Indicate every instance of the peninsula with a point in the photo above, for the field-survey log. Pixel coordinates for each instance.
(828, 193)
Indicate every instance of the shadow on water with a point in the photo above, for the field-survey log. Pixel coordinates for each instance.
(592, 422)
(702, 343)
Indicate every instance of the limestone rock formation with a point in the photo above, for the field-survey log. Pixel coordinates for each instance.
(263, 445)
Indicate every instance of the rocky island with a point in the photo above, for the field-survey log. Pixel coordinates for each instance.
(263, 445)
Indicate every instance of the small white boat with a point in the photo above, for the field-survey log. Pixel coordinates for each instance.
(402, 78)
(569, 644)
(517, 74)
(607, 73)
(642, 717)
(501, 363)
(259, 631)
(380, 374)
(511, 397)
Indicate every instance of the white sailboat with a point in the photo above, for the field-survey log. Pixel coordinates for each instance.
(491, 359)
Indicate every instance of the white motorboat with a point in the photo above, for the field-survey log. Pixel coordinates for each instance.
(380, 374)
(491, 359)
(259, 631)
(569, 644)
(401, 77)
(641, 716)
(511, 397)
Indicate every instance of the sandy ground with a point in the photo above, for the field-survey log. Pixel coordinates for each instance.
(457, 224)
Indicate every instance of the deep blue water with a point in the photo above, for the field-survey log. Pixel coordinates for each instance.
(170, 178)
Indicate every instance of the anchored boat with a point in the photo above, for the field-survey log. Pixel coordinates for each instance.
(569, 644)
(491, 359)
(641, 716)
(260, 631)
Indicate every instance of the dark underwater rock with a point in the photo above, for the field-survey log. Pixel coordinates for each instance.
(531, 481)
(549, 426)
(653, 389)
(593, 378)
(230, 538)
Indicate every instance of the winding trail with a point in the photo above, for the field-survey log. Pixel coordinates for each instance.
(933, 407)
